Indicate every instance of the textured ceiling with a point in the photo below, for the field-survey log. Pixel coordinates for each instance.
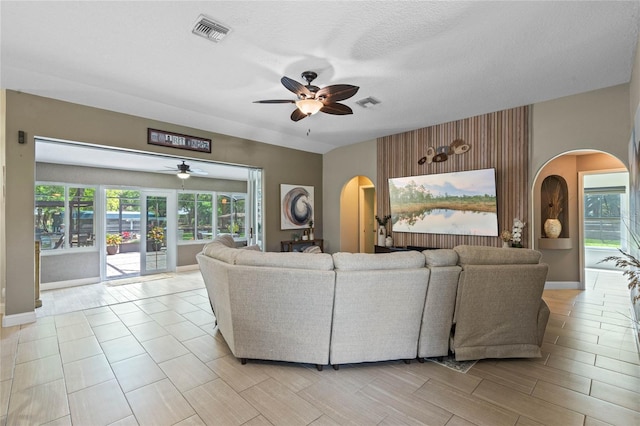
(427, 62)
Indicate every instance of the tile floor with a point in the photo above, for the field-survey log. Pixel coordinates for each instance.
(148, 353)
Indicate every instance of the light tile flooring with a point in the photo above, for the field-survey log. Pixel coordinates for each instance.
(148, 353)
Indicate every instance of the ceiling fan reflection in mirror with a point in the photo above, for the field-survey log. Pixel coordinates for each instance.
(312, 99)
(184, 171)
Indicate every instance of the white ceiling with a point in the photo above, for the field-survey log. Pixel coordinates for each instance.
(427, 62)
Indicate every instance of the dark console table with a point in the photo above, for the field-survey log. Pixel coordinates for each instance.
(299, 245)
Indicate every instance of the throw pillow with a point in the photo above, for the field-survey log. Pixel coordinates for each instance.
(312, 249)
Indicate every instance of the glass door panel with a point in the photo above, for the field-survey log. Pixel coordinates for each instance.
(123, 232)
(158, 254)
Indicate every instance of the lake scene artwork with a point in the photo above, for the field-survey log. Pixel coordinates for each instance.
(460, 203)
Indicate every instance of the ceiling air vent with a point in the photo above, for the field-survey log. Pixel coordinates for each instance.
(209, 29)
(368, 102)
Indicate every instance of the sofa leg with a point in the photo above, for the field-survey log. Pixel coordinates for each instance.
(421, 360)
(407, 361)
(319, 367)
(243, 361)
(336, 367)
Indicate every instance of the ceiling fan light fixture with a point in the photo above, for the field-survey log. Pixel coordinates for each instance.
(309, 106)
(183, 175)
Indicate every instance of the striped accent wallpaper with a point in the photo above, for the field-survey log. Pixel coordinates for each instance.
(498, 140)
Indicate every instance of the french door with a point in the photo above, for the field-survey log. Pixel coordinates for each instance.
(159, 222)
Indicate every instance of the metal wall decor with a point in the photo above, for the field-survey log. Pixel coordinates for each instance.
(442, 153)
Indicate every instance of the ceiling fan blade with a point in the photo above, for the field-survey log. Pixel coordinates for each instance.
(198, 172)
(275, 101)
(336, 92)
(300, 90)
(336, 109)
(297, 115)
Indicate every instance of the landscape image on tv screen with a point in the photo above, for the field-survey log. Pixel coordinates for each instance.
(461, 203)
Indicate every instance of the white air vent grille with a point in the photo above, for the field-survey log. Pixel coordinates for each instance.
(209, 29)
(368, 102)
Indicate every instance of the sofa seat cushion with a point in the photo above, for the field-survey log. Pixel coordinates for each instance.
(291, 260)
(380, 261)
(484, 255)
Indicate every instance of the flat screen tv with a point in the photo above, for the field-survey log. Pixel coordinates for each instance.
(460, 203)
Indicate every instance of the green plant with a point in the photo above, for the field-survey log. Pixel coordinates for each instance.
(630, 266)
(156, 234)
(113, 239)
(233, 228)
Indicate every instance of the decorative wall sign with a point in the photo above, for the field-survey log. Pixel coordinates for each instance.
(296, 203)
(177, 140)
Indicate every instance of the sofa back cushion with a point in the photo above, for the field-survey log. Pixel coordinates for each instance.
(441, 257)
(484, 255)
(291, 260)
(218, 250)
(380, 261)
(226, 239)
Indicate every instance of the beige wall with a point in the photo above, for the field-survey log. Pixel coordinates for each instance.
(596, 120)
(339, 167)
(634, 157)
(634, 85)
(45, 117)
(3, 258)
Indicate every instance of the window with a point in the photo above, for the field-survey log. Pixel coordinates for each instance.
(602, 225)
(231, 215)
(197, 214)
(63, 216)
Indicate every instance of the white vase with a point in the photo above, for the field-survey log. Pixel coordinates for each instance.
(311, 235)
(382, 236)
(552, 228)
(505, 244)
(388, 242)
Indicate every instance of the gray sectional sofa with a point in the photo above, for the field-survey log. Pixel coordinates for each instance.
(477, 302)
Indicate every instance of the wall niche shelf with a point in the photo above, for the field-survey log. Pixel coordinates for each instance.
(554, 198)
(555, 243)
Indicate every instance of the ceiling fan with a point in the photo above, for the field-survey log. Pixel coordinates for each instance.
(312, 99)
(184, 171)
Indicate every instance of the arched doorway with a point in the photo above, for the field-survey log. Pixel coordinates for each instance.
(357, 212)
(574, 252)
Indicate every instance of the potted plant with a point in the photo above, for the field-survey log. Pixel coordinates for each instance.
(630, 266)
(113, 241)
(156, 237)
(382, 229)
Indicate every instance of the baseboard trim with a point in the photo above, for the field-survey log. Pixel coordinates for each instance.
(70, 283)
(186, 268)
(562, 285)
(18, 319)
